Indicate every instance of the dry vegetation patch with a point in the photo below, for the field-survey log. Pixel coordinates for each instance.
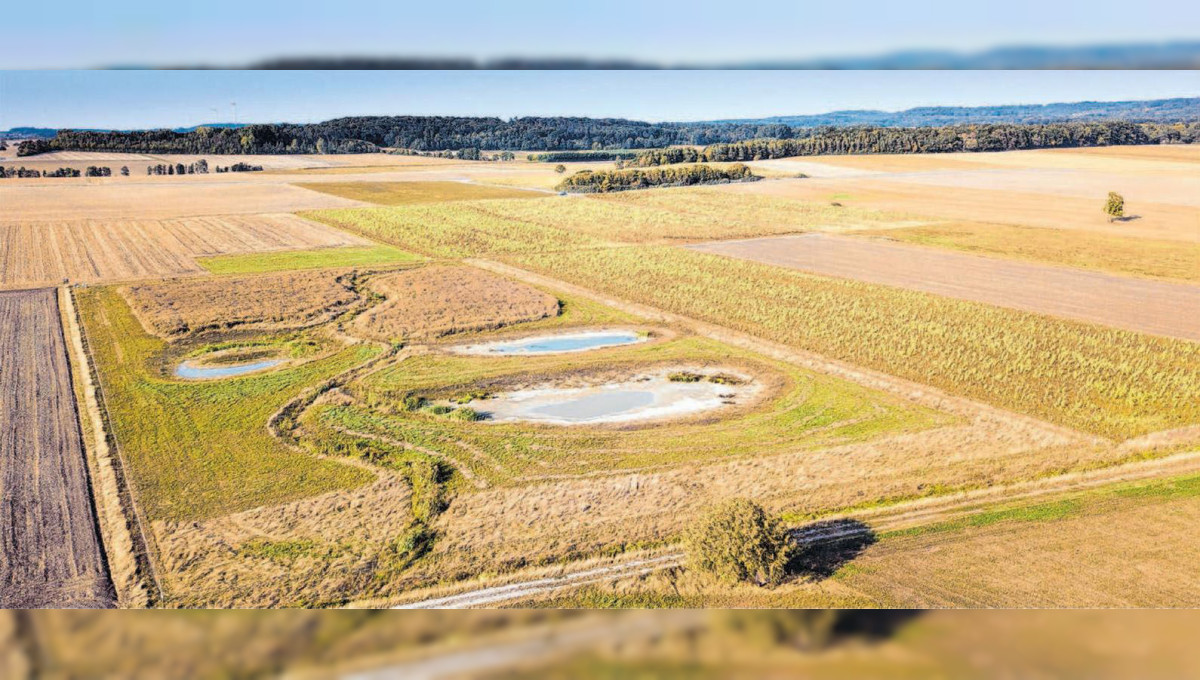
(440, 300)
(403, 193)
(276, 301)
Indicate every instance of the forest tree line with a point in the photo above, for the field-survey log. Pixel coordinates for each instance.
(604, 181)
(876, 140)
(368, 134)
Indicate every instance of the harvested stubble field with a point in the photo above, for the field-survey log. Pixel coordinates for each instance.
(157, 198)
(269, 301)
(40, 253)
(1164, 308)
(50, 551)
(404, 193)
(433, 301)
(1105, 381)
(1127, 255)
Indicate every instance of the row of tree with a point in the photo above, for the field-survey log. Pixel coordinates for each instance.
(468, 154)
(23, 172)
(200, 167)
(367, 134)
(582, 156)
(604, 181)
(874, 140)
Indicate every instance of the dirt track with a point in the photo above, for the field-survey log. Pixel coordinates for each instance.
(1156, 307)
(50, 552)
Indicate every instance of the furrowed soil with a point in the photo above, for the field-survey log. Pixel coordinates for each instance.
(50, 549)
(1156, 307)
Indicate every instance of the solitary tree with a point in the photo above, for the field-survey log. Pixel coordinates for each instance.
(1115, 206)
(560, 168)
(125, 170)
(737, 541)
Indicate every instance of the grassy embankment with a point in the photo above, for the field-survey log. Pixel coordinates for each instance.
(1109, 382)
(201, 449)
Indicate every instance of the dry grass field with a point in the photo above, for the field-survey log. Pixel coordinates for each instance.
(282, 300)
(434, 301)
(1124, 255)
(1134, 304)
(50, 550)
(46, 253)
(1155, 221)
(403, 193)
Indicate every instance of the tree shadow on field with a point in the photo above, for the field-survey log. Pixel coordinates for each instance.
(824, 547)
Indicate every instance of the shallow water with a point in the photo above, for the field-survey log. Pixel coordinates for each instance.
(190, 371)
(560, 343)
(622, 402)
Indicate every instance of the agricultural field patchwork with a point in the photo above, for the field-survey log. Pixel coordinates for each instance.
(1105, 381)
(433, 301)
(50, 550)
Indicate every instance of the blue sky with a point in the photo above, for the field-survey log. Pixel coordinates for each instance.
(89, 33)
(136, 99)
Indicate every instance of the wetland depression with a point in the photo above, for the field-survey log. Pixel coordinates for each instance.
(558, 343)
(190, 370)
(647, 397)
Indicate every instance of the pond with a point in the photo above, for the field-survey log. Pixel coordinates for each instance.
(646, 398)
(557, 344)
(190, 370)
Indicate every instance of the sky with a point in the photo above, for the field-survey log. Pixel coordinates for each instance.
(147, 99)
(88, 33)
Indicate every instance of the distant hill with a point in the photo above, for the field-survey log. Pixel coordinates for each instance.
(1143, 111)
(47, 133)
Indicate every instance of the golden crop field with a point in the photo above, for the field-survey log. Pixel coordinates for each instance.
(1109, 382)
(280, 300)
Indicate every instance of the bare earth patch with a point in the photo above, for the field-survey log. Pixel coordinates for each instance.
(50, 551)
(434, 301)
(283, 300)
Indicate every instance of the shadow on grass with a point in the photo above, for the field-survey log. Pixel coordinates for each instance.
(824, 547)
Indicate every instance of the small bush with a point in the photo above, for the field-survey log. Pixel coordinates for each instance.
(1114, 207)
(440, 409)
(738, 542)
(469, 415)
(684, 377)
(725, 379)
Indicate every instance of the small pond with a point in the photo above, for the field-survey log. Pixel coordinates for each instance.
(557, 344)
(190, 370)
(645, 398)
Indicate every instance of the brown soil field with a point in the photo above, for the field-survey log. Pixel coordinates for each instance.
(898, 162)
(181, 307)
(1156, 307)
(1181, 189)
(41, 253)
(1156, 221)
(50, 549)
(440, 300)
(156, 198)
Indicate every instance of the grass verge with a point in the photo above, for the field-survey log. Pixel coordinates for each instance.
(353, 256)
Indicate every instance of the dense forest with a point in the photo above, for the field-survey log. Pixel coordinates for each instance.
(417, 133)
(582, 156)
(869, 140)
(606, 181)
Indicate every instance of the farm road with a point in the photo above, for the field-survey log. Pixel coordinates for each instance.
(1155, 307)
(50, 550)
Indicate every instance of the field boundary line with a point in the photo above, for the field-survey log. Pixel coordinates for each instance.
(923, 395)
(113, 468)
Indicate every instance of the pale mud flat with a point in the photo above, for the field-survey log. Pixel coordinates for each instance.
(644, 397)
(556, 343)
